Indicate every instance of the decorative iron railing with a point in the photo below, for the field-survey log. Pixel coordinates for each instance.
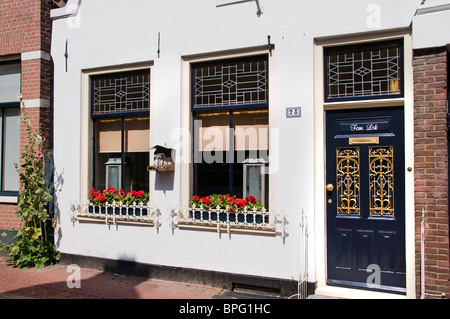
(116, 213)
(223, 220)
(303, 276)
(260, 222)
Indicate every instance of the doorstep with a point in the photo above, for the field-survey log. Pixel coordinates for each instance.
(330, 292)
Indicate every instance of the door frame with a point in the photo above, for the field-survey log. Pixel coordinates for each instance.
(320, 157)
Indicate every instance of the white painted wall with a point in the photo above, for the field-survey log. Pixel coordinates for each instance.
(431, 25)
(107, 33)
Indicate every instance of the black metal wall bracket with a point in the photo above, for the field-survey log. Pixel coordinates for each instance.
(66, 54)
(271, 45)
(159, 45)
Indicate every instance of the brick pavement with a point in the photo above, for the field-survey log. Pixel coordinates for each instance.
(51, 283)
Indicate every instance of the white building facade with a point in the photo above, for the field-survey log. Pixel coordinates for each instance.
(307, 108)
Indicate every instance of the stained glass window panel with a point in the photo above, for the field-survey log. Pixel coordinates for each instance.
(364, 71)
(231, 82)
(121, 92)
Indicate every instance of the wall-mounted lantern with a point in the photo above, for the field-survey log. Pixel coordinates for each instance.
(113, 172)
(254, 178)
(162, 159)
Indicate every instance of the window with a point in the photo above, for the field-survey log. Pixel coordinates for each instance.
(231, 127)
(9, 127)
(369, 71)
(120, 112)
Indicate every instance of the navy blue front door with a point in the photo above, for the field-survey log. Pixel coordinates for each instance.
(365, 197)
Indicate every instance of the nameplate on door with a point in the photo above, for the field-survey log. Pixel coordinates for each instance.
(364, 140)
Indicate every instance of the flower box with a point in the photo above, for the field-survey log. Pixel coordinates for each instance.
(216, 212)
(111, 195)
(115, 206)
(227, 202)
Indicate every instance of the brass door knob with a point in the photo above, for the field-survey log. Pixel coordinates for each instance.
(330, 187)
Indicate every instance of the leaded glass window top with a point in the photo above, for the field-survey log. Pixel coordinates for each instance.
(230, 83)
(364, 71)
(121, 92)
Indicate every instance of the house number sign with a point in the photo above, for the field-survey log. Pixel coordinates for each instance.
(293, 112)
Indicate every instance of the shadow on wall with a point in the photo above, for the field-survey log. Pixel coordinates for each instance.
(164, 181)
(58, 182)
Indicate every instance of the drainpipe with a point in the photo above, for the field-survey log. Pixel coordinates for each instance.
(422, 256)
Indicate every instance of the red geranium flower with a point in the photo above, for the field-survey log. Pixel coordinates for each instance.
(241, 202)
(251, 199)
(110, 190)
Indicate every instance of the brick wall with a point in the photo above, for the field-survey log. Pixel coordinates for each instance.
(431, 168)
(25, 26)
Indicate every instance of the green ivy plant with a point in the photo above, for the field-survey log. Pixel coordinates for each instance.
(33, 244)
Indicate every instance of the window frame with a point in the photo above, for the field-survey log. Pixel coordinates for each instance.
(94, 117)
(364, 47)
(229, 108)
(3, 106)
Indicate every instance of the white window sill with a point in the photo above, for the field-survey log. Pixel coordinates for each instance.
(201, 219)
(8, 199)
(115, 214)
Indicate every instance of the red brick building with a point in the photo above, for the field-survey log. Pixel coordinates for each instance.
(431, 168)
(26, 67)
(430, 67)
